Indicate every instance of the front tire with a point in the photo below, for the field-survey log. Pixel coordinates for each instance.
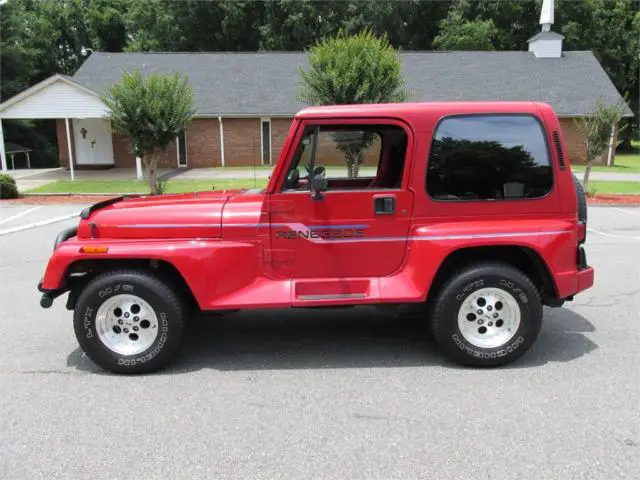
(129, 321)
(487, 315)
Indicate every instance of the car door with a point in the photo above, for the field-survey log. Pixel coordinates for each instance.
(359, 226)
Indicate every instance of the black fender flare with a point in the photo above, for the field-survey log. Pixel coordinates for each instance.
(65, 235)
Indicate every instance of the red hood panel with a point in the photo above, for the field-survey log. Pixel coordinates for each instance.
(189, 215)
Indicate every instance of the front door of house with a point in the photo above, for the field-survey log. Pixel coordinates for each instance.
(359, 227)
(93, 141)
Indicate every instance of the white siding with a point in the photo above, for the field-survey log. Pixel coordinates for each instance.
(58, 100)
(547, 48)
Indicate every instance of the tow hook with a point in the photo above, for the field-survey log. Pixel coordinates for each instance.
(48, 296)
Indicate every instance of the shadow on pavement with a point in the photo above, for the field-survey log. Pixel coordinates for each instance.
(348, 338)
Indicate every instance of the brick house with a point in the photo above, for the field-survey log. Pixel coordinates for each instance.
(245, 101)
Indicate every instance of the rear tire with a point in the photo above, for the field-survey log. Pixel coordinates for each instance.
(129, 321)
(486, 315)
(582, 200)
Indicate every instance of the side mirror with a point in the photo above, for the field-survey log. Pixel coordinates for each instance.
(317, 186)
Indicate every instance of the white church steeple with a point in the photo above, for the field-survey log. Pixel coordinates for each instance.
(546, 44)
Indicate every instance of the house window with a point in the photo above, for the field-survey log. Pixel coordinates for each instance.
(181, 144)
(265, 137)
(489, 157)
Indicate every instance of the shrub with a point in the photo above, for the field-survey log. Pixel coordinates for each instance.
(353, 69)
(151, 111)
(8, 187)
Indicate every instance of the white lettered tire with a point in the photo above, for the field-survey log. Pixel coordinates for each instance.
(129, 321)
(486, 315)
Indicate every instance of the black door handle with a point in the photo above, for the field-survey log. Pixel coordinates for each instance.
(384, 205)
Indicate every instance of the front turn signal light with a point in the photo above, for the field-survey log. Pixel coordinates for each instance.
(94, 249)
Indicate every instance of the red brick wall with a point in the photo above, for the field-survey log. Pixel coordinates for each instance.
(123, 157)
(327, 153)
(241, 142)
(576, 145)
(63, 148)
(574, 140)
(279, 130)
(203, 143)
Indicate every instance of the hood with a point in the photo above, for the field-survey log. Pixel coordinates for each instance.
(189, 215)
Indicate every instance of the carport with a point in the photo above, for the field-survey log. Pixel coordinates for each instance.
(14, 149)
(88, 130)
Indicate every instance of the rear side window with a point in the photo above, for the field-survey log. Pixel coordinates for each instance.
(489, 157)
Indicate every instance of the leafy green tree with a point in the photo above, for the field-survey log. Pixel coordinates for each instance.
(611, 28)
(596, 129)
(296, 25)
(356, 69)
(151, 111)
(194, 25)
(457, 33)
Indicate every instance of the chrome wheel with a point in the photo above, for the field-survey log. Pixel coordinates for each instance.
(489, 317)
(126, 324)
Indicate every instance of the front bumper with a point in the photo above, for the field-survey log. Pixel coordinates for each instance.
(48, 296)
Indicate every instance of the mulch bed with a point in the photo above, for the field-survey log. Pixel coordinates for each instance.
(603, 199)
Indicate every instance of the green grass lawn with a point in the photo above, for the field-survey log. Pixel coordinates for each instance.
(605, 186)
(624, 163)
(134, 186)
(180, 186)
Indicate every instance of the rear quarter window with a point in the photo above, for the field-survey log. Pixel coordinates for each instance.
(489, 157)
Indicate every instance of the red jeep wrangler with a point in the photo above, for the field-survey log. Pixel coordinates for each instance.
(467, 210)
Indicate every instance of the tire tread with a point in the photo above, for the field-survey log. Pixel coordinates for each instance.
(160, 286)
(437, 322)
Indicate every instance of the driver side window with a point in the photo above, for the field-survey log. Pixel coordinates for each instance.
(350, 157)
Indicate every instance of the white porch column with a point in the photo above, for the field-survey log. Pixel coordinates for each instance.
(2, 150)
(221, 141)
(613, 133)
(28, 160)
(139, 175)
(73, 175)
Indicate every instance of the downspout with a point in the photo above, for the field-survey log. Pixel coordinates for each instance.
(2, 150)
(221, 141)
(73, 175)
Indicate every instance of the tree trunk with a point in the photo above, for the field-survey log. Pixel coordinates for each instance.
(152, 168)
(353, 166)
(585, 179)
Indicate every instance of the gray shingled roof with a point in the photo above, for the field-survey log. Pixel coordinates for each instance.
(546, 36)
(268, 83)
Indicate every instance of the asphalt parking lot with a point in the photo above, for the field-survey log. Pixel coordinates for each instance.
(349, 394)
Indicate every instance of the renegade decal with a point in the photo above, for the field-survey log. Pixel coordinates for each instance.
(327, 234)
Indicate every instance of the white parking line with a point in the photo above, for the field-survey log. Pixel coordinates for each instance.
(21, 214)
(614, 235)
(628, 212)
(41, 223)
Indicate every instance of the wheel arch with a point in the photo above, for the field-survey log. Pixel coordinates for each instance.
(80, 272)
(521, 257)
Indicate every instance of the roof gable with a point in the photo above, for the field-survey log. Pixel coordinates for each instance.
(57, 96)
